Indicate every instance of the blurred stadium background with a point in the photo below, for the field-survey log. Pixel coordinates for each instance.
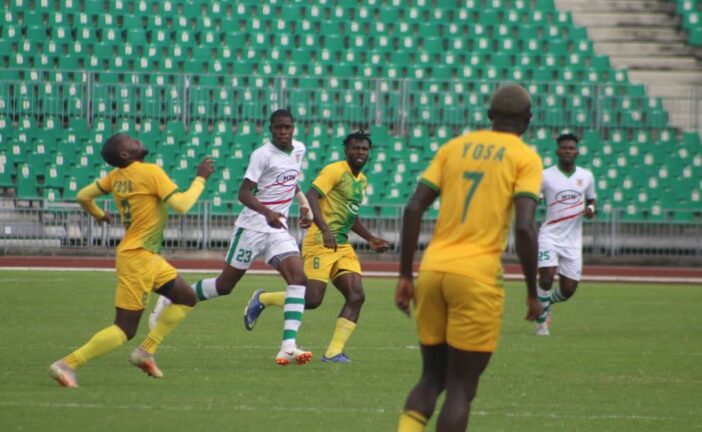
(193, 78)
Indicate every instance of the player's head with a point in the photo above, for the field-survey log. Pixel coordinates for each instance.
(357, 148)
(282, 128)
(567, 148)
(120, 150)
(510, 109)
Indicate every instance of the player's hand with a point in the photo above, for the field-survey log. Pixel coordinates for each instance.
(106, 219)
(206, 168)
(534, 309)
(404, 293)
(305, 218)
(329, 240)
(275, 219)
(588, 213)
(379, 245)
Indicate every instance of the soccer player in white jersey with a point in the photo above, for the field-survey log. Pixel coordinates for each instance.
(569, 194)
(268, 188)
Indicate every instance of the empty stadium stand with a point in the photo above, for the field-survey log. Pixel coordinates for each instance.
(194, 78)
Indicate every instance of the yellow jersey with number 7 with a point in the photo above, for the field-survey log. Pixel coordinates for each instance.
(478, 175)
(140, 192)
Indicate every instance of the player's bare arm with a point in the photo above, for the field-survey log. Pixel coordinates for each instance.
(376, 243)
(527, 250)
(306, 216)
(246, 196)
(328, 237)
(423, 197)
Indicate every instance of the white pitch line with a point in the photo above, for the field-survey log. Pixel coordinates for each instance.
(317, 409)
(384, 274)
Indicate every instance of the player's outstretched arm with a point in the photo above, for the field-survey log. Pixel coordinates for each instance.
(246, 197)
(182, 202)
(411, 222)
(86, 199)
(527, 250)
(376, 243)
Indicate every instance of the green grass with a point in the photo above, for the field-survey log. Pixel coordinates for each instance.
(620, 358)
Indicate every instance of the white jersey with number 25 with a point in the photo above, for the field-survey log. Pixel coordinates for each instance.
(565, 196)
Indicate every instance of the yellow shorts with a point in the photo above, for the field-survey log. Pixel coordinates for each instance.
(138, 273)
(323, 264)
(454, 309)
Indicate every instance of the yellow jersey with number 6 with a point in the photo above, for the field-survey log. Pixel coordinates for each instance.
(140, 191)
(477, 176)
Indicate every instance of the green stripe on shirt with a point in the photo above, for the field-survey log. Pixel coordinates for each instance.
(170, 195)
(430, 185)
(99, 187)
(528, 195)
(321, 194)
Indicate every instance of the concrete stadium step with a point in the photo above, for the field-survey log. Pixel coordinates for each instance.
(629, 19)
(655, 63)
(642, 49)
(609, 34)
(616, 5)
(666, 76)
(672, 91)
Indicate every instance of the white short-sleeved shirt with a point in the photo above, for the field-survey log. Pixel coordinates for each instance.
(565, 197)
(275, 173)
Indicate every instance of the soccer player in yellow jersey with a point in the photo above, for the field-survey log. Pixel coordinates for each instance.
(335, 198)
(141, 192)
(483, 178)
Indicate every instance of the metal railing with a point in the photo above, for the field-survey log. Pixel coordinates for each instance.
(65, 227)
(395, 103)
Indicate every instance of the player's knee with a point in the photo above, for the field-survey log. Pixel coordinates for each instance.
(297, 279)
(313, 301)
(190, 301)
(129, 331)
(568, 290)
(546, 282)
(433, 383)
(356, 298)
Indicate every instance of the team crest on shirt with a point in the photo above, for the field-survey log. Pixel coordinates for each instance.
(298, 157)
(579, 182)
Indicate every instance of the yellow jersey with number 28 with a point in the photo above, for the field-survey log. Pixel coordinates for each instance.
(477, 176)
(140, 192)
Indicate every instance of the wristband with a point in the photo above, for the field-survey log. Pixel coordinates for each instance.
(592, 208)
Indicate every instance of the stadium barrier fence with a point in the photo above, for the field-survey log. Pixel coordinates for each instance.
(51, 227)
(398, 104)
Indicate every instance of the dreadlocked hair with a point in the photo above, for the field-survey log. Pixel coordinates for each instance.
(359, 135)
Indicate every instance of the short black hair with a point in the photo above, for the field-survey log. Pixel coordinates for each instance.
(110, 150)
(359, 135)
(282, 113)
(567, 137)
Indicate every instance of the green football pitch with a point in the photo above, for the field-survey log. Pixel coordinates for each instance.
(620, 358)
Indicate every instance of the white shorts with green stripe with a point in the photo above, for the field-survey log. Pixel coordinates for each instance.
(246, 245)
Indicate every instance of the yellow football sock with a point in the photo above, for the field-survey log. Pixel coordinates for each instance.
(342, 333)
(273, 298)
(170, 318)
(412, 421)
(101, 343)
